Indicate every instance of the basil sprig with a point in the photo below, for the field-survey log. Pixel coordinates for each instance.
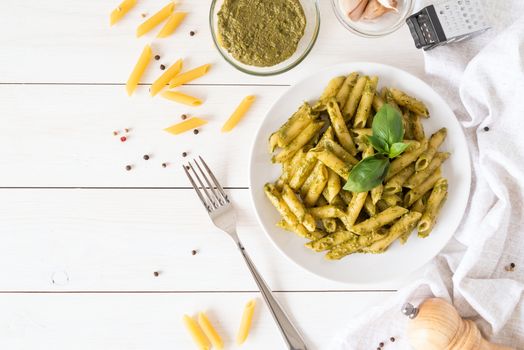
(388, 133)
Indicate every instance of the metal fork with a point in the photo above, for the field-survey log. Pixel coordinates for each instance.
(222, 213)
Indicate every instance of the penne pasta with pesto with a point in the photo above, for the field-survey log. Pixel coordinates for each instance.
(358, 172)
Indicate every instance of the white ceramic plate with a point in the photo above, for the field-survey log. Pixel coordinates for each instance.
(398, 260)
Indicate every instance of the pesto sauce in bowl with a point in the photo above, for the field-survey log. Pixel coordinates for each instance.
(261, 33)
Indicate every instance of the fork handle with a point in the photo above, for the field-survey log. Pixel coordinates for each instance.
(289, 332)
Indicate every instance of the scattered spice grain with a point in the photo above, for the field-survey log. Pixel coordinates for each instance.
(157, 57)
(195, 131)
(164, 165)
(392, 339)
(128, 167)
(123, 139)
(146, 157)
(184, 154)
(183, 116)
(486, 128)
(193, 252)
(156, 273)
(162, 67)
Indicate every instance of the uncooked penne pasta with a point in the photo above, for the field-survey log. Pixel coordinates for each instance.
(345, 89)
(340, 128)
(196, 333)
(409, 102)
(435, 201)
(172, 24)
(298, 142)
(404, 225)
(210, 332)
(355, 95)
(245, 323)
(297, 208)
(186, 125)
(406, 159)
(138, 70)
(155, 20)
(417, 192)
(162, 81)
(418, 177)
(121, 10)
(364, 107)
(239, 113)
(181, 98)
(291, 128)
(189, 76)
(383, 218)
(434, 143)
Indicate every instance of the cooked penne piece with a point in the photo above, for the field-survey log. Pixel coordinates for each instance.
(345, 196)
(186, 125)
(278, 202)
(291, 128)
(172, 24)
(416, 127)
(330, 91)
(298, 142)
(369, 206)
(383, 218)
(418, 177)
(409, 102)
(340, 128)
(378, 102)
(162, 80)
(239, 113)
(408, 157)
(210, 332)
(310, 179)
(417, 192)
(138, 70)
(354, 208)
(320, 178)
(381, 205)
(333, 186)
(327, 212)
(364, 131)
(434, 143)
(329, 241)
(353, 245)
(329, 159)
(419, 205)
(124, 7)
(435, 201)
(364, 107)
(407, 122)
(394, 184)
(330, 225)
(339, 151)
(290, 167)
(300, 230)
(402, 226)
(189, 76)
(155, 20)
(245, 323)
(196, 333)
(376, 193)
(304, 169)
(388, 98)
(355, 95)
(181, 98)
(392, 199)
(345, 89)
(297, 208)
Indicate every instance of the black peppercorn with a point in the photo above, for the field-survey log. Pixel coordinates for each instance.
(512, 265)
(183, 116)
(164, 165)
(195, 131)
(193, 252)
(486, 128)
(156, 273)
(192, 33)
(184, 154)
(162, 67)
(381, 344)
(146, 157)
(128, 167)
(392, 339)
(157, 57)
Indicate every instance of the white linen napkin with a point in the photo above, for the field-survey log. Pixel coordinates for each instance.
(483, 81)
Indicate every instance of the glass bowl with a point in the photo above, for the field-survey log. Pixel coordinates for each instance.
(312, 13)
(384, 25)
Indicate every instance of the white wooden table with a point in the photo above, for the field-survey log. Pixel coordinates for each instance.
(81, 237)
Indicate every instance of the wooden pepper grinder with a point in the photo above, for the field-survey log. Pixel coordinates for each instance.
(436, 325)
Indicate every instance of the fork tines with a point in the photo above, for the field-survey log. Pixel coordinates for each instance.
(212, 196)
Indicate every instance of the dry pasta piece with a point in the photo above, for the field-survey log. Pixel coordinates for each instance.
(239, 113)
(155, 20)
(138, 70)
(121, 10)
(196, 333)
(210, 332)
(171, 25)
(186, 125)
(245, 323)
(189, 75)
(162, 81)
(181, 98)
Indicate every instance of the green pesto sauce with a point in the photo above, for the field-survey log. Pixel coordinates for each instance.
(261, 33)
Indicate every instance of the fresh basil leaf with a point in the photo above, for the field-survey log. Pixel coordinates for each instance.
(396, 149)
(379, 144)
(367, 174)
(387, 125)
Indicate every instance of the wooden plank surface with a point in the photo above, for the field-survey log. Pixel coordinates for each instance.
(153, 321)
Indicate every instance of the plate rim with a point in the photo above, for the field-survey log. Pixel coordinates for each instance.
(464, 200)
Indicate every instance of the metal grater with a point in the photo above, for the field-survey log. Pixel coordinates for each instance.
(446, 22)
